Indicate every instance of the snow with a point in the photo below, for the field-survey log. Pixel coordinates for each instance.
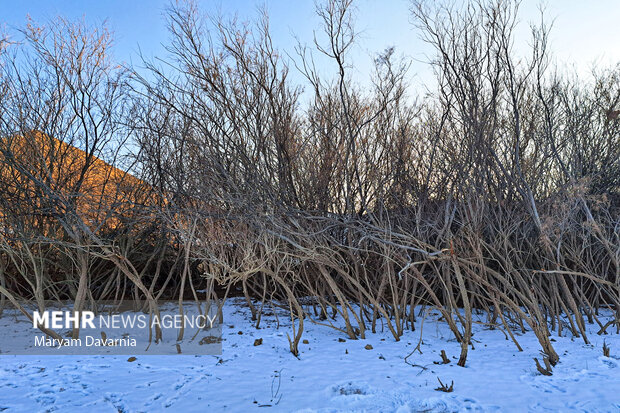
(329, 376)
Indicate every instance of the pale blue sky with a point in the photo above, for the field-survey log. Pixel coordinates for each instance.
(585, 32)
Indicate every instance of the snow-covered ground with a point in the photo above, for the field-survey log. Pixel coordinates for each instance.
(330, 375)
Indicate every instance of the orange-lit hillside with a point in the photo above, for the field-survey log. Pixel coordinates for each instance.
(66, 179)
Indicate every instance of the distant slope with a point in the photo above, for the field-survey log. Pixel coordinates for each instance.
(36, 168)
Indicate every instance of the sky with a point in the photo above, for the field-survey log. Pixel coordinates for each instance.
(584, 33)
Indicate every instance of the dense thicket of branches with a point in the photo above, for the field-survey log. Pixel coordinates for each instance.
(499, 192)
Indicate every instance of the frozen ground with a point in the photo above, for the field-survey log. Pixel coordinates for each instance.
(329, 376)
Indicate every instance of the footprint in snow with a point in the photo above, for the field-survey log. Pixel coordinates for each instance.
(609, 362)
(350, 389)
